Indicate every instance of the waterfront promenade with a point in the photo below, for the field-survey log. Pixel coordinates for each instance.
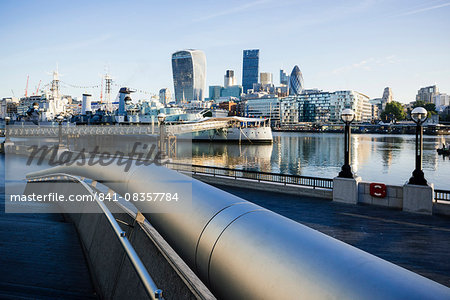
(40, 256)
(416, 242)
(50, 246)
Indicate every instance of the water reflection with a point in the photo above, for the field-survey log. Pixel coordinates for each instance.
(376, 158)
(233, 155)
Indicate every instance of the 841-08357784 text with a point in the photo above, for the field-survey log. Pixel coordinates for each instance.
(57, 197)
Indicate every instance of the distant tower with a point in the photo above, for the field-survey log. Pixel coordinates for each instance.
(296, 81)
(284, 77)
(266, 78)
(229, 79)
(250, 69)
(55, 85)
(57, 104)
(427, 93)
(165, 96)
(387, 95)
(189, 75)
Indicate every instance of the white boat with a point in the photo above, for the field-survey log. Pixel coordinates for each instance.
(240, 130)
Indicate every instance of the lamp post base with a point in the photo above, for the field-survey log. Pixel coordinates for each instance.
(346, 172)
(418, 198)
(345, 190)
(418, 178)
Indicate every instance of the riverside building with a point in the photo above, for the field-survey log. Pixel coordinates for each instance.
(427, 93)
(322, 107)
(261, 105)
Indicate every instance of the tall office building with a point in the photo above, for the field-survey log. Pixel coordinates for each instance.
(284, 77)
(427, 93)
(250, 69)
(388, 96)
(229, 79)
(165, 96)
(296, 81)
(266, 78)
(189, 75)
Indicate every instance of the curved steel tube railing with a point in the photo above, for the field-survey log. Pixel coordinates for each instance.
(243, 251)
(149, 285)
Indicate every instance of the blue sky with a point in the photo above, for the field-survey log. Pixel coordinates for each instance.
(358, 44)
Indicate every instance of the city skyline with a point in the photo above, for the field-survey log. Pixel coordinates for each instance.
(363, 46)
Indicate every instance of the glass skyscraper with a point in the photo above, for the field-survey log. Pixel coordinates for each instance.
(189, 75)
(296, 81)
(250, 69)
(284, 78)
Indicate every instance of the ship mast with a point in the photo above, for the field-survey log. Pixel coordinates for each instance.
(108, 82)
(55, 84)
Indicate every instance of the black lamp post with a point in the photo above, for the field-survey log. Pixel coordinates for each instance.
(7, 140)
(60, 119)
(161, 118)
(347, 116)
(419, 115)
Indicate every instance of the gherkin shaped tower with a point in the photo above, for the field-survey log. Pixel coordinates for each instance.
(296, 81)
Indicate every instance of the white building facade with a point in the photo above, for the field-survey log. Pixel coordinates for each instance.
(314, 107)
(441, 99)
(324, 107)
(356, 101)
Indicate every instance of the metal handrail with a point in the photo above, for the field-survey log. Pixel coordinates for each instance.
(314, 182)
(441, 195)
(150, 286)
(219, 231)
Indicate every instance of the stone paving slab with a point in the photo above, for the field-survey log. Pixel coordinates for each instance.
(41, 258)
(416, 242)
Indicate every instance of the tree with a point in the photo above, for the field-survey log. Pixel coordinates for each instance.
(430, 107)
(393, 111)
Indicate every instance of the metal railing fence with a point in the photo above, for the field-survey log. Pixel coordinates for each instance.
(308, 181)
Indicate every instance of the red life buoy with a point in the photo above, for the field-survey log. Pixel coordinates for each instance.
(378, 190)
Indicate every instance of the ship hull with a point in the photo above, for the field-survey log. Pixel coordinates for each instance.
(251, 135)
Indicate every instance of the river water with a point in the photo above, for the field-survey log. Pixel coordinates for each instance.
(375, 157)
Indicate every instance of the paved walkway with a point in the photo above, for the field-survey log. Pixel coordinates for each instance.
(416, 242)
(40, 256)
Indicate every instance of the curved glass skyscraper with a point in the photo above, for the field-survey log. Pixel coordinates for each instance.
(189, 75)
(296, 81)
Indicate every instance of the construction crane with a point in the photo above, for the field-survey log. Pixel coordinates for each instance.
(26, 88)
(37, 90)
